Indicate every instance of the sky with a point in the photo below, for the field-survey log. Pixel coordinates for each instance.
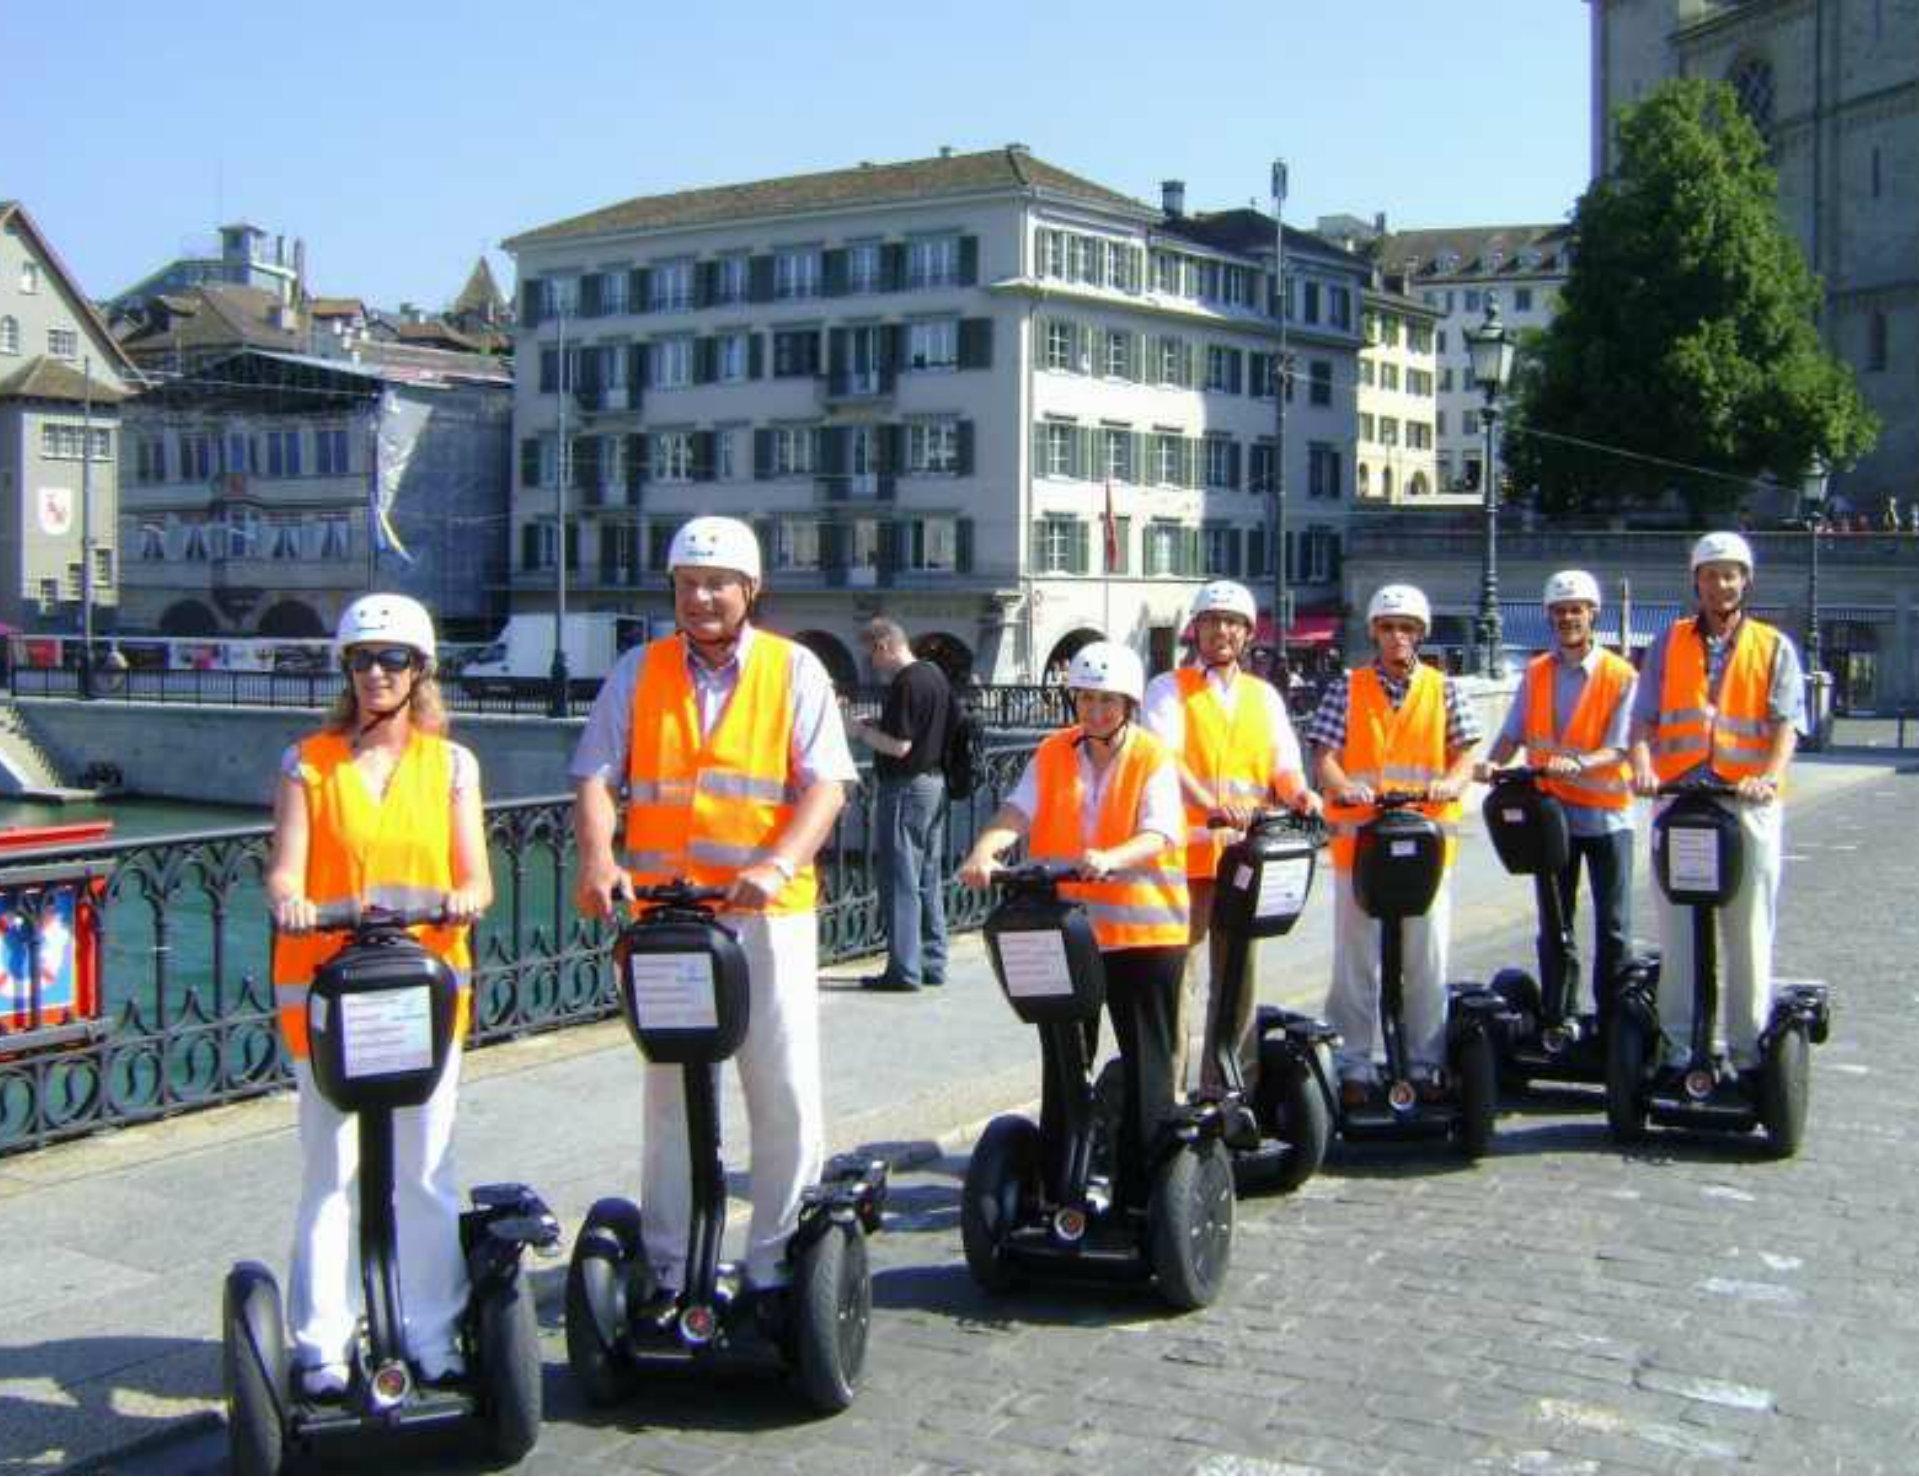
(401, 140)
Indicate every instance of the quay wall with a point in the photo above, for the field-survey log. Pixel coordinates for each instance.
(230, 755)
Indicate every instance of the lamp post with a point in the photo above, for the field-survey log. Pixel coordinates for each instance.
(1812, 508)
(557, 702)
(1282, 615)
(1491, 349)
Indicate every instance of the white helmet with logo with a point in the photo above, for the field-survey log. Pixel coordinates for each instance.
(385, 620)
(1225, 597)
(1727, 547)
(1405, 600)
(1107, 666)
(1569, 585)
(715, 543)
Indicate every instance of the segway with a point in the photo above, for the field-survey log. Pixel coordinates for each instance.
(1278, 1131)
(1042, 1198)
(380, 1020)
(684, 991)
(1398, 864)
(1545, 1036)
(1698, 854)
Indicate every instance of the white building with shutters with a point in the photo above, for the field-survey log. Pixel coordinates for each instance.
(920, 381)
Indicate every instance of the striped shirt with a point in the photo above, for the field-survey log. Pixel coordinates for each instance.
(1326, 729)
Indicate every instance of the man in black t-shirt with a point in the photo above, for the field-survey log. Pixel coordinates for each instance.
(908, 840)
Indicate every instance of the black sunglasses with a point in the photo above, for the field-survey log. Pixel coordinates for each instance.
(386, 658)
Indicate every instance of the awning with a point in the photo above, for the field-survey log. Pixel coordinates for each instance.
(1523, 625)
(1307, 630)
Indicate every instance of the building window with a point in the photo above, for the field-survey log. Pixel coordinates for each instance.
(1118, 460)
(671, 289)
(1219, 461)
(1050, 249)
(1322, 470)
(863, 266)
(1388, 431)
(730, 358)
(283, 453)
(1751, 78)
(1222, 368)
(330, 451)
(729, 279)
(1175, 362)
(29, 277)
(671, 363)
(796, 273)
(1876, 342)
(1472, 300)
(1310, 291)
(1058, 441)
(933, 343)
(932, 261)
(1365, 427)
(933, 445)
(1321, 392)
(932, 545)
(1056, 547)
(1169, 460)
(672, 457)
(150, 459)
(723, 455)
(63, 343)
(9, 335)
(1522, 299)
(1119, 354)
(1165, 546)
(792, 451)
(1339, 306)
(1060, 336)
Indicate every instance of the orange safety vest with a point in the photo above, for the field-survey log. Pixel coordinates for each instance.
(1734, 735)
(1388, 750)
(1231, 754)
(1607, 787)
(707, 808)
(1142, 907)
(395, 851)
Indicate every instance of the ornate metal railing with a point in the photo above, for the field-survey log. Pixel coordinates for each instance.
(185, 1013)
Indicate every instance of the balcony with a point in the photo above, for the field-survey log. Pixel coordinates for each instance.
(857, 386)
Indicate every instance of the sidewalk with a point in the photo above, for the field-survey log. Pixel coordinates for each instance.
(109, 1295)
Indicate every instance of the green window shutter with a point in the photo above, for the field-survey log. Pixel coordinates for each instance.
(638, 450)
(892, 448)
(1233, 537)
(763, 453)
(963, 546)
(889, 549)
(833, 272)
(969, 261)
(756, 356)
(703, 458)
(1081, 563)
(529, 546)
(1141, 447)
(1123, 537)
(530, 303)
(638, 279)
(635, 367)
(1039, 449)
(964, 439)
(590, 295)
(976, 343)
(705, 358)
(832, 453)
(704, 276)
(892, 266)
(1255, 552)
(759, 279)
(836, 351)
(529, 461)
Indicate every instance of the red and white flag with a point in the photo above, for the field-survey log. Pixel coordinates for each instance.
(1112, 531)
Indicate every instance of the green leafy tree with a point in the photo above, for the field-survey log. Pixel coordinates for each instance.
(1687, 330)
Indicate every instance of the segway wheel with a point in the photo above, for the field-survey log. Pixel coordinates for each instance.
(1190, 1222)
(1292, 1106)
(832, 1311)
(1520, 991)
(597, 1282)
(1002, 1188)
(1626, 1046)
(1476, 1065)
(254, 1369)
(509, 1337)
(1784, 1086)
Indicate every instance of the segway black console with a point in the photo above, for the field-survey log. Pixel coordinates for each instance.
(683, 985)
(1398, 864)
(380, 1021)
(1698, 856)
(1278, 1131)
(1545, 1036)
(1043, 1198)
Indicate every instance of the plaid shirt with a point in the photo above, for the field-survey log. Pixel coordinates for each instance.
(1326, 729)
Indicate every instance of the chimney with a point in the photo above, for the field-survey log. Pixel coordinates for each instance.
(1379, 223)
(946, 151)
(300, 266)
(1172, 197)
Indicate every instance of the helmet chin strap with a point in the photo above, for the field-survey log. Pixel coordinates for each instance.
(1112, 740)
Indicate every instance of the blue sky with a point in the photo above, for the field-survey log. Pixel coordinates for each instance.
(400, 140)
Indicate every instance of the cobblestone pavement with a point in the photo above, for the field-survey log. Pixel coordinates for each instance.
(1560, 1307)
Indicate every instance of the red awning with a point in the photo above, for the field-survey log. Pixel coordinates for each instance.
(1307, 630)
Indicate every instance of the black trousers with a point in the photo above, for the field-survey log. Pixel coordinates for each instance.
(1608, 863)
(1142, 995)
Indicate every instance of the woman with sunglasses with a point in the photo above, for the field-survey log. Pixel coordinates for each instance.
(377, 807)
(1103, 796)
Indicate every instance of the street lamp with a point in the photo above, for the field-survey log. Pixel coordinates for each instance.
(1491, 349)
(1812, 508)
(1282, 599)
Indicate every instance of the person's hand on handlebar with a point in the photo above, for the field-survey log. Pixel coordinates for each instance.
(464, 905)
(1445, 791)
(1355, 794)
(756, 886)
(1307, 803)
(1644, 780)
(1563, 766)
(1231, 817)
(978, 869)
(1484, 770)
(1758, 789)
(598, 885)
(294, 914)
(1094, 864)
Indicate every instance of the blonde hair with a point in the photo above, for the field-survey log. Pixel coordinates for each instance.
(424, 709)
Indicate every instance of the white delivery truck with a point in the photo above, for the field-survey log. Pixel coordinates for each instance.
(520, 660)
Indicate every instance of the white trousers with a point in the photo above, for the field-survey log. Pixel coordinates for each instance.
(323, 1279)
(1352, 1004)
(779, 1066)
(1745, 928)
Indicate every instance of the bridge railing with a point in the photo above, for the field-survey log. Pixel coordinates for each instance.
(186, 1013)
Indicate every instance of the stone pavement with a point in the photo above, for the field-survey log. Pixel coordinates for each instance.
(1559, 1307)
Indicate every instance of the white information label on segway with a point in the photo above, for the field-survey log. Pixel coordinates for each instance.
(1034, 965)
(387, 1031)
(673, 992)
(1401, 848)
(1282, 887)
(1692, 858)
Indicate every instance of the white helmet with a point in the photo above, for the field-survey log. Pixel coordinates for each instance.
(1568, 585)
(1225, 597)
(1406, 600)
(1107, 666)
(385, 620)
(1715, 547)
(717, 543)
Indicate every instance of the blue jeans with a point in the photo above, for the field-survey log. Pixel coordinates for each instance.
(909, 832)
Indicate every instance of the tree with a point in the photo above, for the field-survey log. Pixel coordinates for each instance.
(1687, 329)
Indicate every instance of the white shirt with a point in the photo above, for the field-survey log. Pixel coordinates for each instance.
(1164, 713)
(1159, 807)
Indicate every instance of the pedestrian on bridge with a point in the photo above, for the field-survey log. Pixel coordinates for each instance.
(1722, 696)
(378, 807)
(728, 744)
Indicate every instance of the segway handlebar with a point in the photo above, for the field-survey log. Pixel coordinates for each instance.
(351, 915)
(1034, 877)
(1400, 799)
(1517, 774)
(679, 893)
(1712, 786)
(1312, 827)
